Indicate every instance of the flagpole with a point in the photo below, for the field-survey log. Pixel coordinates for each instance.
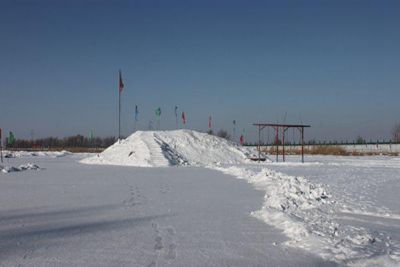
(176, 117)
(1, 147)
(119, 115)
(120, 87)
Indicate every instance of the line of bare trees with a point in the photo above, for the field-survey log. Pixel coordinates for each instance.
(70, 141)
(98, 142)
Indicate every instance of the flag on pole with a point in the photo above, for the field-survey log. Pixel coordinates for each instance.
(158, 112)
(209, 122)
(121, 83)
(176, 116)
(1, 147)
(91, 135)
(10, 139)
(183, 118)
(234, 130)
(136, 113)
(241, 139)
(120, 88)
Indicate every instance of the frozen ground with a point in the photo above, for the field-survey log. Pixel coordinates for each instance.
(72, 214)
(329, 211)
(365, 192)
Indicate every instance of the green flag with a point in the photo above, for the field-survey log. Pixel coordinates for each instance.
(158, 112)
(91, 135)
(10, 139)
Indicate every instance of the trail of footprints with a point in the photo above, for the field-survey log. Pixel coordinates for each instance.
(164, 189)
(164, 241)
(135, 197)
(164, 244)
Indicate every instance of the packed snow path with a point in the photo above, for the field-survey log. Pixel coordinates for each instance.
(71, 214)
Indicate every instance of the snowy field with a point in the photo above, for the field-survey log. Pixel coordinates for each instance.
(110, 211)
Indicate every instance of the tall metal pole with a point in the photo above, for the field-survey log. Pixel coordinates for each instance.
(277, 143)
(1, 147)
(302, 144)
(119, 114)
(259, 143)
(283, 144)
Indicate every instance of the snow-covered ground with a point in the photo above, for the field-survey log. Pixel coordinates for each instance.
(329, 211)
(365, 194)
(357, 223)
(72, 214)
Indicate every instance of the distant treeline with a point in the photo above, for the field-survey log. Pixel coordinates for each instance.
(66, 142)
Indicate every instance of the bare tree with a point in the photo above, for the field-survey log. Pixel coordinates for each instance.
(396, 133)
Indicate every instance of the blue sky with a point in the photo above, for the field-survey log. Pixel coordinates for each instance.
(332, 64)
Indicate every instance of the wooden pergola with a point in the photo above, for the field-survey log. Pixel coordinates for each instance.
(284, 128)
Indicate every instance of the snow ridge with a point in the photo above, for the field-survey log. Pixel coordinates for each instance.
(23, 167)
(25, 154)
(305, 213)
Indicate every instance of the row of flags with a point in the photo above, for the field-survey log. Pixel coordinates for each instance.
(183, 117)
(158, 114)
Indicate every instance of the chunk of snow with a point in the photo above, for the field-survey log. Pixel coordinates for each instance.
(23, 167)
(24, 154)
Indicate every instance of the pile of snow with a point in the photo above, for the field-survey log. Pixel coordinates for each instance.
(305, 213)
(24, 154)
(169, 148)
(23, 167)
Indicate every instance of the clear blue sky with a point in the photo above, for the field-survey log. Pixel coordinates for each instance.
(332, 64)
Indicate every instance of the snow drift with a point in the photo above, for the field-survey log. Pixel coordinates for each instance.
(25, 154)
(306, 214)
(170, 148)
(23, 167)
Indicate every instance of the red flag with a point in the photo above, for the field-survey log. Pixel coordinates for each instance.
(183, 118)
(241, 139)
(209, 122)
(121, 83)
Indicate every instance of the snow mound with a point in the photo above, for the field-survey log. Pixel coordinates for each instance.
(170, 148)
(24, 154)
(304, 211)
(23, 167)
